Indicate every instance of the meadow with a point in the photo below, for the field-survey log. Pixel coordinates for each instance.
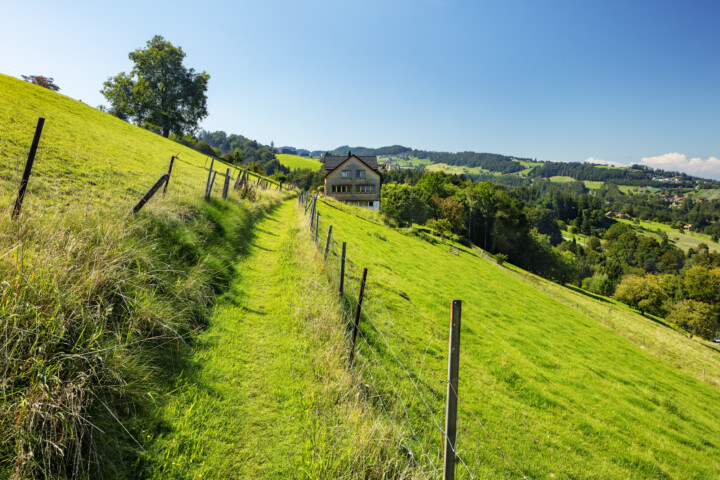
(295, 161)
(685, 240)
(562, 393)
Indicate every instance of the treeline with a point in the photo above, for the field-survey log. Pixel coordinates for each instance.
(243, 151)
(635, 175)
(489, 161)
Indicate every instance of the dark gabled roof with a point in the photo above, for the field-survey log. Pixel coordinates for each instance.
(332, 162)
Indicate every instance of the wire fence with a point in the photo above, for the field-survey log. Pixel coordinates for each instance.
(48, 179)
(411, 396)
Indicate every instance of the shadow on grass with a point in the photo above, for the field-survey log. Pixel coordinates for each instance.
(594, 296)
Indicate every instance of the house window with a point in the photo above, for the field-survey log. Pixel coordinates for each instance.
(341, 189)
(359, 173)
(366, 189)
(346, 174)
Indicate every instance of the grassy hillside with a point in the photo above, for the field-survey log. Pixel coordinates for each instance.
(86, 156)
(684, 240)
(564, 395)
(295, 161)
(96, 304)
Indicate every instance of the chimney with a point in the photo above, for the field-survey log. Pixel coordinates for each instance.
(349, 153)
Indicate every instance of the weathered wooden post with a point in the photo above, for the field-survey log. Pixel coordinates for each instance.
(238, 179)
(28, 168)
(172, 160)
(327, 243)
(210, 172)
(226, 185)
(452, 390)
(342, 271)
(317, 222)
(150, 193)
(210, 186)
(357, 316)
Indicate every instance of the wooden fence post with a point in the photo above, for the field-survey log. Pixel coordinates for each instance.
(452, 390)
(226, 185)
(327, 243)
(342, 271)
(357, 316)
(210, 186)
(238, 179)
(317, 222)
(28, 167)
(210, 172)
(150, 193)
(172, 160)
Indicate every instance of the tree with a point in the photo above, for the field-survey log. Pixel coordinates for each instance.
(404, 204)
(159, 93)
(695, 317)
(643, 293)
(46, 82)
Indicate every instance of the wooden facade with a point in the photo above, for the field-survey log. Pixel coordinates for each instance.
(354, 180)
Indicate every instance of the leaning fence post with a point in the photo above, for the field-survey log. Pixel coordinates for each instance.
(342, 271)
(357, 316)
(172, 160)
(210, 172)
(452, 390)
(317, 222)
(28, 167)
(210, 186)
(327, 243)
(150, 193)
(226, 185)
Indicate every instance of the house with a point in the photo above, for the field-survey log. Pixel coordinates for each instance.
(689, 227)
(353, 179)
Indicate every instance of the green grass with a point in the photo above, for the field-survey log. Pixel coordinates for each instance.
(411, 162)
(564, 395)
(269, 394)
(95, 303)
(685, 240)
(295, 161)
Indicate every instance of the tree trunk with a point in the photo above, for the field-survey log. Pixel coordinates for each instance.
(166, 132)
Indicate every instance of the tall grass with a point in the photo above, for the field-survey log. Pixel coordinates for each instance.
(95, 306)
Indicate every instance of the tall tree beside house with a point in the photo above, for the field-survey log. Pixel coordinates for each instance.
(159, 93)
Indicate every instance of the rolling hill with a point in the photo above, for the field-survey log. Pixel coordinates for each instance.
(568, 386)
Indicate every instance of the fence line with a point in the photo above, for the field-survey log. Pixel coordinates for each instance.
(373, 309)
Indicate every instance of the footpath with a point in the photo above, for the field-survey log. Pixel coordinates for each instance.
(240, 413)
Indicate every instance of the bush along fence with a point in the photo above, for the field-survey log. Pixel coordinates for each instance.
(612, 317)
(243, 179)
(409, 395)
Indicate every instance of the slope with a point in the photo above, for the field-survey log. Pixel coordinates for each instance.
(296, 161)
(87, 156)
(563, 395)
(95, 303)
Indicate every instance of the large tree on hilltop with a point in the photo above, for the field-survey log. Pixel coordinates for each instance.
(159, 93)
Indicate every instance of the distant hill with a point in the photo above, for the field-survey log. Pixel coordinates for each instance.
(494, 163)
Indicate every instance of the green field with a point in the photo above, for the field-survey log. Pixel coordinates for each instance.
(685, 241)
(296, 161)
(564, 395)
(97, 303)
(455, 169)
(411, 162)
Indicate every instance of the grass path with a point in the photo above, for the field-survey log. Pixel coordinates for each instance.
(241, 416)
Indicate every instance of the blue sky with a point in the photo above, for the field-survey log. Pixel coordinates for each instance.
(613, 81)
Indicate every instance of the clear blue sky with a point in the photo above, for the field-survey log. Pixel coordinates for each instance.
(619, 81)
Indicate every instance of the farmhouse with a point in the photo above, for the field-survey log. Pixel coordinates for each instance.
(353, 180)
